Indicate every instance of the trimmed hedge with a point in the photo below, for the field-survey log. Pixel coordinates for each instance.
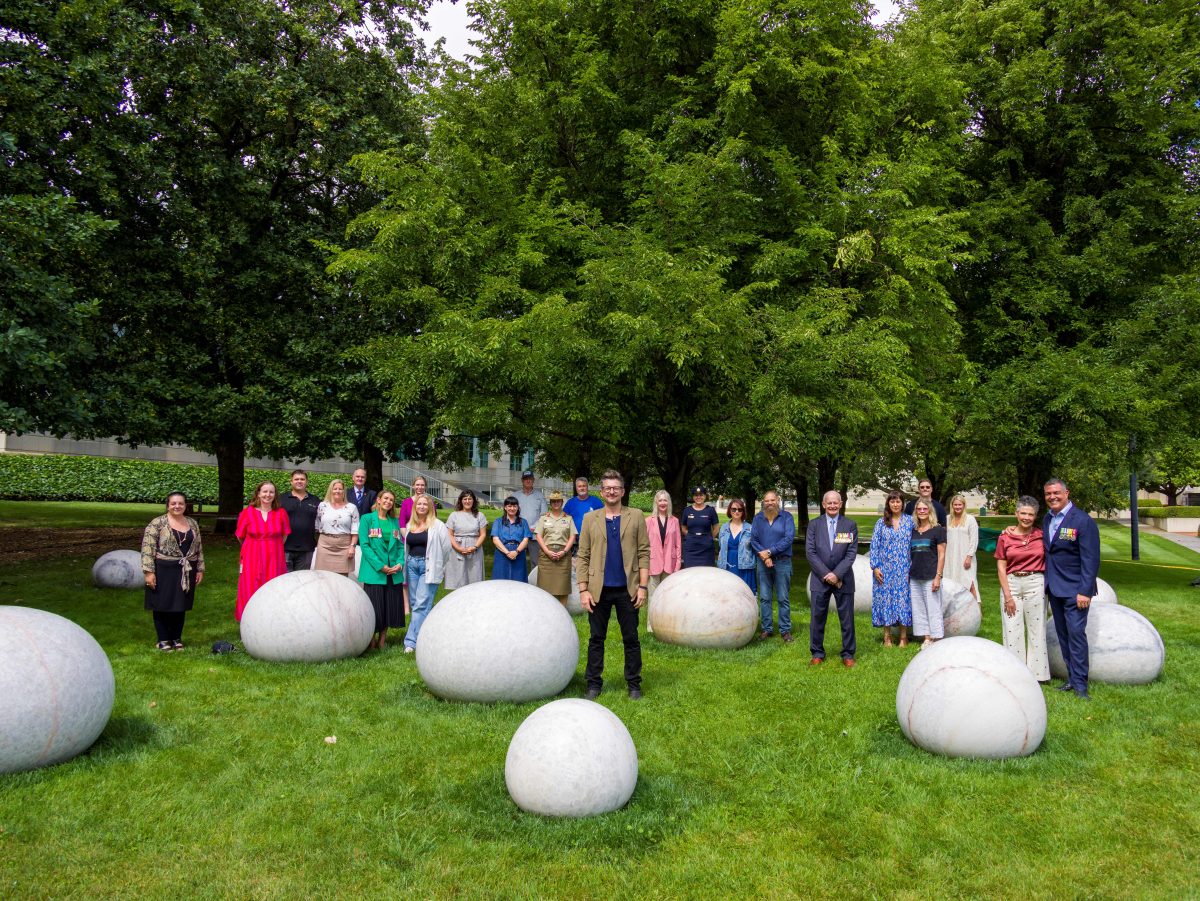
(63, 477)
(1149, 502)
(1169, 512)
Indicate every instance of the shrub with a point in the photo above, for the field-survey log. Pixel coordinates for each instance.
(63, 477)
(1149, 502)
(642, 500)
(1169, 512)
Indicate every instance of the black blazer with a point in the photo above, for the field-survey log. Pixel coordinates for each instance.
(367, 502)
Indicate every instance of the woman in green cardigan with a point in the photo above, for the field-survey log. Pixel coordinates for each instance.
(382, 568)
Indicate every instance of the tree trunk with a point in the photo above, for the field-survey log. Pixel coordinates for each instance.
(801, 489)
(373, 464)
(1172, 493)
(231, 473)
(826, 473)
(1032, 474)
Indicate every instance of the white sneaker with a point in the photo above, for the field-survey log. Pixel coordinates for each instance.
(408, 650)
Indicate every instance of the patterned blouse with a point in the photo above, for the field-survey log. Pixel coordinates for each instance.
(159, 542)
(341, 521)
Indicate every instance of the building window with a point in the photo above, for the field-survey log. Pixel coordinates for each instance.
(479, 453)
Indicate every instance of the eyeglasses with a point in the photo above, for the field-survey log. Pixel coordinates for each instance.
(737, 509)
(612, 488)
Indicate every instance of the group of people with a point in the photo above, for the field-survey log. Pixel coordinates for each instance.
(407, 552)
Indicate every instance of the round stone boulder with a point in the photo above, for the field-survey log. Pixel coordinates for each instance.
(308, 616)
(969, 697)
(119, 569)
(1124, 648)
(704, 607)
(961, 612)
(1104, 593)
(57, 686)
(571, 758)
(863, 577)
(573, 606)
(497, 641)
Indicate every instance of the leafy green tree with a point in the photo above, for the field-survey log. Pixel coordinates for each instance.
(1081, 175)
(221, 153)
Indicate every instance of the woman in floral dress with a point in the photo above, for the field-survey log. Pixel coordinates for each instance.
(890, 557)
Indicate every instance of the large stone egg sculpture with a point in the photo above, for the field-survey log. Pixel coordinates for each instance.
(497, 641)
(863, 577)
(119, 569)
(308, 616)
(1124, 648)
(1104, 593)
(969, 697)
(57, 688)
(574, 607)
(571, 758)
(961, 612)
(704, 607)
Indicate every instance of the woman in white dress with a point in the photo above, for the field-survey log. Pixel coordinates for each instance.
(337, 531)
(467, 528)
(962, 541)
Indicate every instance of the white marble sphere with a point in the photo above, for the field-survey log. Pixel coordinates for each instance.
(1104, 593)
(961, 612)
(308, 616)
(1124, 648)
(57, 686)
(863, 578)
(704, 607)
(119, 569)
(571, 758)
(970, 697)
(497, 641)
(574, 607)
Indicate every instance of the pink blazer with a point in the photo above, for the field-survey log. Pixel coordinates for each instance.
(665, 557)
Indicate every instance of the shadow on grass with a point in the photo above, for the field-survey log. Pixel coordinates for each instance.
(127, 736)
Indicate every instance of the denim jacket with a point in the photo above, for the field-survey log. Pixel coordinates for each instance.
(745, 552)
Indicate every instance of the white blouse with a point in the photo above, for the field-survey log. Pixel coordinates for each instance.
(331, 521)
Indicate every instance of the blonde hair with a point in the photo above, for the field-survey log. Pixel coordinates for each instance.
(932, 518)
(662, 492)
(957, 520)
(329, 490)
(429, 517)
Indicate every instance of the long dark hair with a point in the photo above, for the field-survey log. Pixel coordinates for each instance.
(887, 508)
(465, 493)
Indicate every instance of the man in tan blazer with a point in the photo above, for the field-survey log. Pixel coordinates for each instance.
(613, 571)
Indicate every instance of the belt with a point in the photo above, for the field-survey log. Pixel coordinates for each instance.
(1030, 573)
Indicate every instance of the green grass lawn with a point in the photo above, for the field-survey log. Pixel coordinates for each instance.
(759, 777)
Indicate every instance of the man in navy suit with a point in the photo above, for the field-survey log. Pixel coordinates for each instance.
(831, 546)
(1072, 564)
(359, 494)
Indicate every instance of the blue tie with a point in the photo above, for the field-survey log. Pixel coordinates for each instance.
(832, 529)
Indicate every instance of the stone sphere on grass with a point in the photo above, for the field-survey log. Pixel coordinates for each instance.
(571, 758)
(1104, 593)
(970, 697)
(57, 688)
(119, 569)
(961, 611)
(497, 641)
(1124, 648)
(308, 616)
(863, 578)
(704, 607)
(574, 607)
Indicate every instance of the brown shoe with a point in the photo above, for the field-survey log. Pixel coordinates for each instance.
(763, 636)
(787, 637)
(816, 661)
(849, 662)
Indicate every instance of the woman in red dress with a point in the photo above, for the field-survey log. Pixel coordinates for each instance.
(261, 528)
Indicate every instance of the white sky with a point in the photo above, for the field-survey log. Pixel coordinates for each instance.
(450, 20)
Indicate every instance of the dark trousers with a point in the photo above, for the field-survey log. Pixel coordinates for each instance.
(843, 599)
(1071, 625)
(627, 619)
(294, 560)
(169, 626)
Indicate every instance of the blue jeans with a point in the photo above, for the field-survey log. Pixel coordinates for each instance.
(777, 579)
(420, 597)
